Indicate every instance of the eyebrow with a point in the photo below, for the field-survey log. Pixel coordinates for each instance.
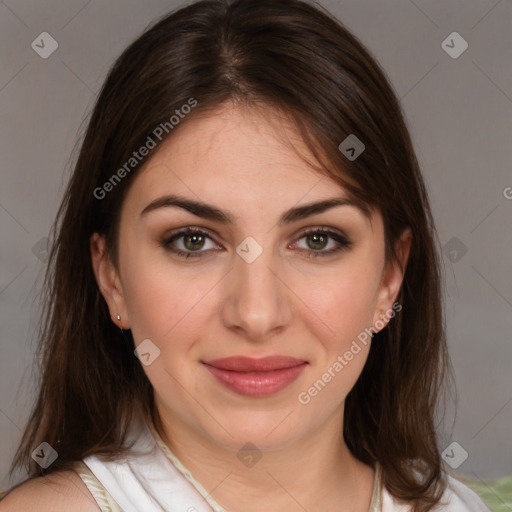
(207, 211)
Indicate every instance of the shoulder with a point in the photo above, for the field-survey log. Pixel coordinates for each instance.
(59, 492)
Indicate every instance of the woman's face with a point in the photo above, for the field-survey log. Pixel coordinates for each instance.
(256, 283)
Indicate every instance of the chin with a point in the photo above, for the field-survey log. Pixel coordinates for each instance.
(268, 430)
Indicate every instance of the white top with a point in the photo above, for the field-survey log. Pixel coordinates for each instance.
(152, 479)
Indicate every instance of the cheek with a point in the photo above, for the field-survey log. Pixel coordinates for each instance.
(165, 302)
(169, 308)
(341, 306)
(346, 308)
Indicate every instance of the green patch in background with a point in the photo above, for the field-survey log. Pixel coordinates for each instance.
(497, 494)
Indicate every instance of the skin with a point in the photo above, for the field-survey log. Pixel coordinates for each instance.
(219, 305)
(63, 491)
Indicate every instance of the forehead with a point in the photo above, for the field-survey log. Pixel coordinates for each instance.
(233, 148)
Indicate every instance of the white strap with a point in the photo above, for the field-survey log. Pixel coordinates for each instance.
(99, 493)
(147, 480)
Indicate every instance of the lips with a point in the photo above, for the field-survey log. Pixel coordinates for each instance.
(256, 377)
(250, 364)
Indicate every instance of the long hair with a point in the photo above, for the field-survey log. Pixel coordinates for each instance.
(297, 59)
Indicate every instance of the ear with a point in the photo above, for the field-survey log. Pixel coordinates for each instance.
(108, 281)
(392, 277)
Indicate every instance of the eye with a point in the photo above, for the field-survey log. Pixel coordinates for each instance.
(320, 238)
(189, 242)
(193, 242)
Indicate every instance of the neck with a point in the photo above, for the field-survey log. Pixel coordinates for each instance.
(316, 473)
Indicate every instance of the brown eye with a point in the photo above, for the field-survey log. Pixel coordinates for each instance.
(188, 243)
(319, 239)
(194, 241)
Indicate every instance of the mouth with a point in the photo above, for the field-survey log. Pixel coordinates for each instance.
(256, 377)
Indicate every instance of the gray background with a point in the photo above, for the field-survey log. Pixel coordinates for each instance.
(460, 115)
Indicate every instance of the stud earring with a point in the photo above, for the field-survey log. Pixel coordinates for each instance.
(118, 318)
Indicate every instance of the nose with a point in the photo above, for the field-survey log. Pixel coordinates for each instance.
(257, 300)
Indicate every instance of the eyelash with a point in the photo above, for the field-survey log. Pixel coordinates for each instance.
(340, 239)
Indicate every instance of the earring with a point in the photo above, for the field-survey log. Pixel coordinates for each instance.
(118, 318)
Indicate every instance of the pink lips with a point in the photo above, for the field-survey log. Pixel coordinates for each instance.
(256, 377)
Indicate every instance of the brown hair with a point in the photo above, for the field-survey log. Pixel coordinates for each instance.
(299, 60)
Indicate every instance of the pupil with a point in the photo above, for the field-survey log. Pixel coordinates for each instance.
(318, 239)
(195, 238)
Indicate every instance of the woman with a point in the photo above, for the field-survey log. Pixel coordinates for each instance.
(245, 309)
